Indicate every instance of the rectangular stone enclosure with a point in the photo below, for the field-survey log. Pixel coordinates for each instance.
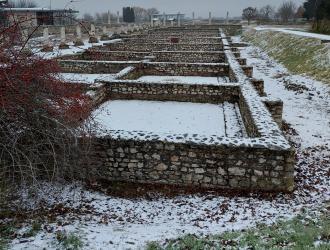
(248, 150)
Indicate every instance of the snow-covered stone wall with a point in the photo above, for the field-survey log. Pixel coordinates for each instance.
(157, 56)
(94, 67)
(191, 164)
(122, 46)
(196, 93)
(258, 159)
(183, 39)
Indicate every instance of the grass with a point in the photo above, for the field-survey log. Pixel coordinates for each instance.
(34, 230)
(299, 54)
(7, 231)
(300, 233)
(70, 241)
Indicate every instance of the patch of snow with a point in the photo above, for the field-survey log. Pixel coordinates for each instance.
(125, 72)
(72, 50)
(86, 78)
(185, 79)
(167, 117)
(296, 32)
(306, 108)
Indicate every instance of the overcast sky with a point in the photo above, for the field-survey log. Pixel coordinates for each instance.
(201, 7)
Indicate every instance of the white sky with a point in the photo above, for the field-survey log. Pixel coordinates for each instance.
(201, 7)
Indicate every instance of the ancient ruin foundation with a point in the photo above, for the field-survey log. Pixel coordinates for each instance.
(202, 74)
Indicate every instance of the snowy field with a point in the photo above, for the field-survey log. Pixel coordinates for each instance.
(185, 79)
(168, 117)
(296, 32)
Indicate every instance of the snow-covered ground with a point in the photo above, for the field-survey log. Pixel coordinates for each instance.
(72, 49)
(296, 32)
(306, 101)
(85, 78)
(168, 117)
(185, 79)
(107, 222)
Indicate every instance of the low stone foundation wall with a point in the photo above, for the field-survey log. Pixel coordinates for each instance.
(186, 69)
(129, 90)
(275, 107)
(248, 70)
(185, 40)
(189, 56)
(191, 164)
(201, 30)
(178, 69)
(93, 67)
(260, 158)
(162, 47)
(157, 56)
(259, 86)
(196, 93)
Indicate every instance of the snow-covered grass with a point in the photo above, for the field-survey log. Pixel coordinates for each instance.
(306, 101)
(303, 232)
(185, 79)
(168, 117)
(301, 55)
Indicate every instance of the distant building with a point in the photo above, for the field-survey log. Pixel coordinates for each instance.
(31, 17)
(168, 17)
(128, 15)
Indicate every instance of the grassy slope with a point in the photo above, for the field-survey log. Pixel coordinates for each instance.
(300, 55)
(303, 232)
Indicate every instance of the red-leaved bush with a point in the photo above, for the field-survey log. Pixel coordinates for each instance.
(41, 117)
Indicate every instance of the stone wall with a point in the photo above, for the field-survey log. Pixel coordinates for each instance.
(196, 93)
(259, 86)
(185, 39)
(183, 34)
(275, 107)
(248, 70)
(129, 90)
(189, 56)
(93, 67)
(157, 56)
(178, 69)
(191, 164)
(186, 69)
(162, 46)
(115, 55)
(229, 29)
(262, 160)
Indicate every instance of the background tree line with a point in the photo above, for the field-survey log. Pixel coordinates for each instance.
(317, 11)
(288, 11)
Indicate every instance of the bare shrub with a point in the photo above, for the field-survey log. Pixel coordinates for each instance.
(42, 118)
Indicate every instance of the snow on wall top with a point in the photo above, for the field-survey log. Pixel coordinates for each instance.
(270, 134)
